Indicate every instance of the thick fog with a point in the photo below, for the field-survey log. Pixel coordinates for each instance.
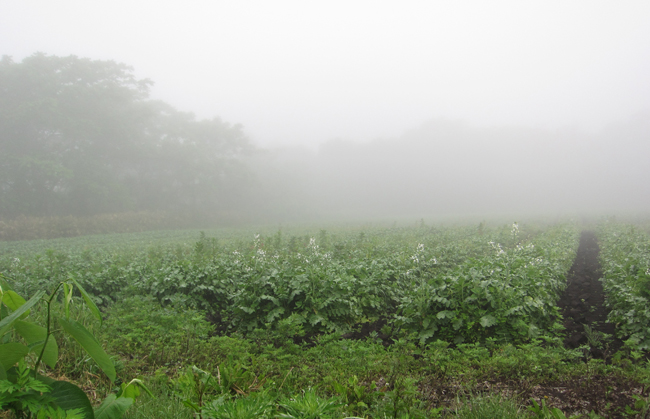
(280, 111)
(447, 167)
(306, 72)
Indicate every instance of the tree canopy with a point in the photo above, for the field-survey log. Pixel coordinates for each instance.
(81, 137)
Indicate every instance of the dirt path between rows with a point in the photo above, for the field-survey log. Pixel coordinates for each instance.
(583, 303)
(585, 315)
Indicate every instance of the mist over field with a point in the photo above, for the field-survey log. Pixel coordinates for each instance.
(451, 167)
(289, 112)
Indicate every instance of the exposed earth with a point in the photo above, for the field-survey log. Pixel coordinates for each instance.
(582, 304)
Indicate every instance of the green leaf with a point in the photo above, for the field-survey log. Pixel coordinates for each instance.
(488, 320)
(4, 285)
(90, 344)
(89, 302)
(68, 396)
(6, 322)
(12, 300)
(67, 297)
(113, 407)
(444, 314)
(11, 353)
(426, 334)
(35, 334)
(132, 389)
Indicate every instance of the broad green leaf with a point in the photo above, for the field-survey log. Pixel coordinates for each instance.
(132, 389)
(4, 285)
(90, 344)
(3, 373)
(6, 322)
(35, 334)
(426, 334)
(12, 300)
(444, 314)
(488, 320)
(113, 407)
(11, 353)
(89, 302)
(68, 396)
(276, 312)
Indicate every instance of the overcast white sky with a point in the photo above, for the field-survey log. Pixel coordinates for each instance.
(308, 71)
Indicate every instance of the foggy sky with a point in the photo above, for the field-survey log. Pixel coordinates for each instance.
(308, 72)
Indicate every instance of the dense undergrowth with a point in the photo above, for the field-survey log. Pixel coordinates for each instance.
(460, 285)
(625, 260)
(381, 323)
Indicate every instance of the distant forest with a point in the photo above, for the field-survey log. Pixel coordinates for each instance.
(82, 137)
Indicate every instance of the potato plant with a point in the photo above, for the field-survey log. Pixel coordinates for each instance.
(625, 261)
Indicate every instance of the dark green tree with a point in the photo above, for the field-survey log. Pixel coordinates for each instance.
(81, 137)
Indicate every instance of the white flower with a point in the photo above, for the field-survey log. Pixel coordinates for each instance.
(515, 228)
(497, 247)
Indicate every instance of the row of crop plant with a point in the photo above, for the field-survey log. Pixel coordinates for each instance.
(625, 264)
(457, 284)
(507, 295)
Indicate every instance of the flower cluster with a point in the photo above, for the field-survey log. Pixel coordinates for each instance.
(497, 247)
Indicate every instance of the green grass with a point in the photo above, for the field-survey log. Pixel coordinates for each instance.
(490, 407)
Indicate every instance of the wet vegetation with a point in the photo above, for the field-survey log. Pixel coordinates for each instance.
(419, 321)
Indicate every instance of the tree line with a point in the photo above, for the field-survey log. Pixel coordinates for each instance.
(82, 137)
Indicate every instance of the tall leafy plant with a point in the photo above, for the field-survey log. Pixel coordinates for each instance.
(25, 345)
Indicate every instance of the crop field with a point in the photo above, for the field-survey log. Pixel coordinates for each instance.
(421, 321)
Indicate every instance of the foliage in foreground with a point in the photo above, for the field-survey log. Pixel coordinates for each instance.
(23, 389)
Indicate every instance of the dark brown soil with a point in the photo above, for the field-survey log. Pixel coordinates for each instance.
(583, 303)
(607, 396)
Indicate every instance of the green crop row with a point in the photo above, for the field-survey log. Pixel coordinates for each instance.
(625, 262)
(507, 295)
(460, 284)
